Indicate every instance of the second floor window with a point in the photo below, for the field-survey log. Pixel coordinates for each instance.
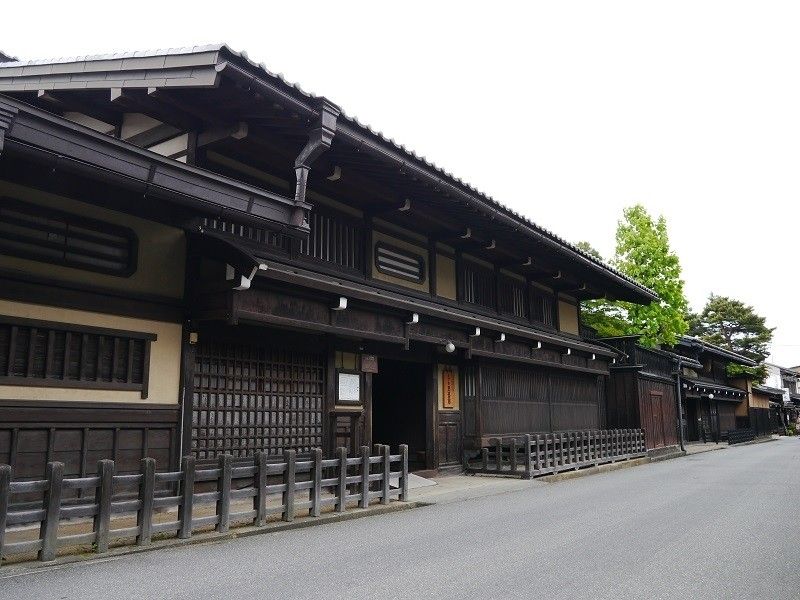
(543, 307)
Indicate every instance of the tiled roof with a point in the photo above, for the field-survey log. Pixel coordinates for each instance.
(293, 87)
(688, 340)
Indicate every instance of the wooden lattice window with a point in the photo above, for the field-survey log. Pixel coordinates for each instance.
(512, 297)
(335, 239)
(47, 235)
(49, 354)
(249, 397)
(477, 284)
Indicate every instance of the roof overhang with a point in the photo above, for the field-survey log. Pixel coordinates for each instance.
(61, 145)
(205, 67)
(720, 392)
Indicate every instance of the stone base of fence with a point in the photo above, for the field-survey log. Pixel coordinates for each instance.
(531, 456)
(140, 508)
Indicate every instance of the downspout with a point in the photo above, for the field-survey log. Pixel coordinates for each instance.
(319, 140)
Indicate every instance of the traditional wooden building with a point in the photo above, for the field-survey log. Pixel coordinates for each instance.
(712, 400)
(644, 391)
(198, 257)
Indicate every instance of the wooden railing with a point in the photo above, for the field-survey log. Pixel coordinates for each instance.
(738, 436)
(272, 488)
(533, 455)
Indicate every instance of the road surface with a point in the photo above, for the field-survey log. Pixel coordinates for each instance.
(721, 524)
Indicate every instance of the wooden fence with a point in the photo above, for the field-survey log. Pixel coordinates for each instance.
(738, 436)
(331, 483)
(533, 455)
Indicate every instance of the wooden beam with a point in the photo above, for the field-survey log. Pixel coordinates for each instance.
(236, 131)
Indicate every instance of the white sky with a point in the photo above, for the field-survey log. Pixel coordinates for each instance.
(565, 111)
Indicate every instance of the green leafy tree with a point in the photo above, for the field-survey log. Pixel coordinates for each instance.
(735, 326)
(643, 253)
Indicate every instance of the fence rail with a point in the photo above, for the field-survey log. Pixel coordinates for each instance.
(542, 454)
(322, 483)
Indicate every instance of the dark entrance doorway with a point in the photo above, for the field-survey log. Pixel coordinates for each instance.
(399, 413)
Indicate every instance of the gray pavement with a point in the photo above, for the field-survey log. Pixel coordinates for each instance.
(712, 525)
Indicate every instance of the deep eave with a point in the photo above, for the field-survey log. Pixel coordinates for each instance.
(202, 67)
(63, 145)
(699, 345)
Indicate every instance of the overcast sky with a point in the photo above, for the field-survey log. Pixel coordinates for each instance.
(565, 111)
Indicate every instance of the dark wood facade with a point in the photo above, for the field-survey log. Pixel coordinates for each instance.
(330, 289)
(642, 392)
(711, 398)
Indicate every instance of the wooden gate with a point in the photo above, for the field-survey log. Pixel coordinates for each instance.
(250, 397)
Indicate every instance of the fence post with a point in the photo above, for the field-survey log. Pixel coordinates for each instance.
(498, 450)
(485, 459)
(341, 501)
(289, 457)
(48, 530)
(364, 503)
(512, 454)
(404, 474)
(316, 495)
(387, 469)
(224, 489)
(527, 442)
(537, 457)
(144, 518)
(105, 490)
(187, 500)
(5, 501)
(260, 483)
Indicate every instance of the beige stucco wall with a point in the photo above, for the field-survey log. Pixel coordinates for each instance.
(440, 387)
(161, 249)
(165, 356)
(567, 317)
(445, 277)
(424, 286)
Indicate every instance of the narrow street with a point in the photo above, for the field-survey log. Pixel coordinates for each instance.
(713, 525)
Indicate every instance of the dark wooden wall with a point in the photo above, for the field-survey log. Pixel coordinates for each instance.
(659, 413)
(517, 399)
(32, 433)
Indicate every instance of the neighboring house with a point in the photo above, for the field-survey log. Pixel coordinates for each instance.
(783, 406)
(200, 258)
(713, 402)
(644, 389)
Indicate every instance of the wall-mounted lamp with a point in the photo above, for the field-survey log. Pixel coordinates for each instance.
(449, 347)
(342, 304)
(711, 396)
(414, 319)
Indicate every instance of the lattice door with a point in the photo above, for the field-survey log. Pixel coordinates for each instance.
(249, 397)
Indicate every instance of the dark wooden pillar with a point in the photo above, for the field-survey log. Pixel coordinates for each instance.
(188, 352)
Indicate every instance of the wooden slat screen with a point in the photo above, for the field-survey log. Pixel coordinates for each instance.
(250, 398)
(512, 298)
(44, 353)
(258, 235)
(335, 239)
(51, 236)
(399, 263)
(543, 307)
(477, 285)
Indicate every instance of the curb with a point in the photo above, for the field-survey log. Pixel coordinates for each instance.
(27, 567)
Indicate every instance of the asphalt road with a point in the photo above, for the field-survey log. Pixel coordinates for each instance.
(715, 525)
